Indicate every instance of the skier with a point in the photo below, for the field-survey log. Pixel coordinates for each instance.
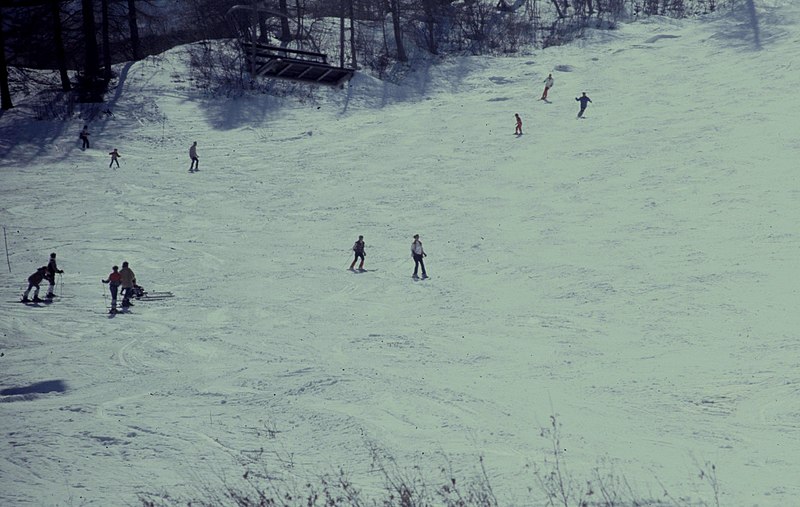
(84, 137)
(548, 83)
(52, 269)
(114, 280)
(584, 100)
(195, 166)
(114, 158)
(33, 281)
(417, 252)
(137, 291)
(358, 248)
(127, 281)
(518, 130)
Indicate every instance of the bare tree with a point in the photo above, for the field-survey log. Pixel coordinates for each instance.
(353, 60)
(58, 43)
(398, 31)
(286, 31)
(5, 91)
(92, 93)
(133, 26)
(561, 9)
(106, 40)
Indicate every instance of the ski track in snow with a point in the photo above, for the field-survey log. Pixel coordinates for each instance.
(632, 273)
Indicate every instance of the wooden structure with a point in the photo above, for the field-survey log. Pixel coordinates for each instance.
(277, 62)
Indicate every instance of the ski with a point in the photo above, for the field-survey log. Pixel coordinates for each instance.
(153, 295)
(31, 302)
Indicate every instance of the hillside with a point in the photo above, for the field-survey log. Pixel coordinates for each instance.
(632, 273)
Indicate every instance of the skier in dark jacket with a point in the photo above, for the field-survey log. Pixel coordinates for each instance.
(33, 281)
(584, 100)
(358, 249)
(195, 165)
(84, 137)
(114, 158)
(52, 269)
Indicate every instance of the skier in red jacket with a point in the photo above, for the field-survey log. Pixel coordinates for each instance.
(114, 280)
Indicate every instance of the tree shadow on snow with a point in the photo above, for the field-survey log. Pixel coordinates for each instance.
(32, 391)
(406, 83)
(232, 113)
(752, 29)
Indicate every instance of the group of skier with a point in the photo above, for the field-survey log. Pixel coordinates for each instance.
(548, 83)
(44, 273)
(417, 253)
(115, 155)
(124, 279)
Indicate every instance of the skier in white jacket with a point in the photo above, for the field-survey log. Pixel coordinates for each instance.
(127, 281)
(548, 83)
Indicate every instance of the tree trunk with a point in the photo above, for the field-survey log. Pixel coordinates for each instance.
(92, 92)
(286, 31)
(429, 7)
(341, 33)
(106, 41)
(353, 61)
(5, 91)
(133, 26)
(398, 31)
(263, 30)
(58, 41)
(559, 10)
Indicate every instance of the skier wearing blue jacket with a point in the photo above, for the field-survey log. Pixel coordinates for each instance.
(584, 100)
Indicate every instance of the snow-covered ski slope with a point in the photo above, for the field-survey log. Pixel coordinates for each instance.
(634, 273)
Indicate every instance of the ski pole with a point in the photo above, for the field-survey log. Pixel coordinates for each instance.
(8, 259)
(60, 285)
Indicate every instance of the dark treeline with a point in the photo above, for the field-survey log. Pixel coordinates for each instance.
(83, 39)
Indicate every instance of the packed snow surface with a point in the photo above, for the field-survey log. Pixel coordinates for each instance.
(633, 274)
